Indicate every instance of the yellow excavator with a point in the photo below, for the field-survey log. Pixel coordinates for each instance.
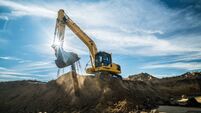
(100, 61)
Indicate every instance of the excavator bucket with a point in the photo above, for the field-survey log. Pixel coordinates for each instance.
(64, 58)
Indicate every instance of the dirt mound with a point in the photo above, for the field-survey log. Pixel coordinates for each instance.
(100, 94)
(187, 83)
(142, 77)
(91, 94)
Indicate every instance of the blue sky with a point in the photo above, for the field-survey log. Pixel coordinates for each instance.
(160, 37)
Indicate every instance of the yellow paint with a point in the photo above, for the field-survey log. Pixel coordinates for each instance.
(63, 20)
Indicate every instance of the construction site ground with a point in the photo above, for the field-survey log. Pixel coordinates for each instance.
(94, 94)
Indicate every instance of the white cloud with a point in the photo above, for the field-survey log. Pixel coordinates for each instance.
(3, 69)
(131, 30)
(189, 41)
(122, 29)
(34, 66)
(19, 60)
(134, 44)
(19, 9)
(31, 70)
(9, 58)
(4, 17)
(26, 69)
(189, 57)
(180, 65)
(17, 75)
(39, 65)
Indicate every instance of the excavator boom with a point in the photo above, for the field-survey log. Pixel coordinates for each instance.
(101, 61)
(63, 18)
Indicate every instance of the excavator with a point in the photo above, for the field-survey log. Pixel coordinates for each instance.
(101, 62)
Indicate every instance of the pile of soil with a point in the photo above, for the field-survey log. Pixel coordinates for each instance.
(91, 94)
(143, 77)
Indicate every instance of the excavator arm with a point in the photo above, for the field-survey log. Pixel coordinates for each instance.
(63, 20)
(101, 61)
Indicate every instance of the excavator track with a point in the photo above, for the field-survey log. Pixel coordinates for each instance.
(108, 75)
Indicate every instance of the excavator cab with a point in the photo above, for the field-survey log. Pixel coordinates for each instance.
(102, 59)
(103, 64)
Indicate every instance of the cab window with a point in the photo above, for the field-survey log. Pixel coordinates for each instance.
(102, 58)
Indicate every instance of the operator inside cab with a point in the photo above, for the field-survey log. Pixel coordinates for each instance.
(102, 58)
